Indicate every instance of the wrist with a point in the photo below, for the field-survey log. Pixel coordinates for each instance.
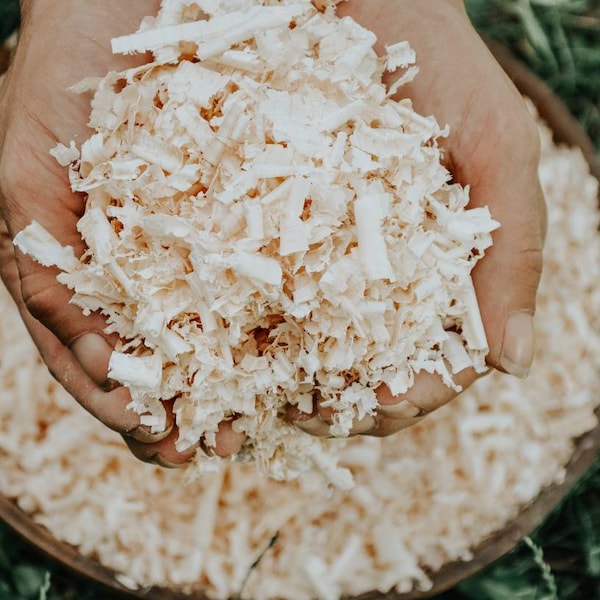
(413, 20)
(31, 8)
(459, 5)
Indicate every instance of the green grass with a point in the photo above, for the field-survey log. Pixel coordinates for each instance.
(561, 560)
(558, 40)
(9, 17)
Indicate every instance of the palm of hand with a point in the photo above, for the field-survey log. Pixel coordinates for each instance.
(58, 47)
(492, 146)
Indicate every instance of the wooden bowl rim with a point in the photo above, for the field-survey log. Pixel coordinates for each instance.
(566, 130)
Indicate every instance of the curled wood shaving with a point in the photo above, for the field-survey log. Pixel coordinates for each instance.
(265, 224)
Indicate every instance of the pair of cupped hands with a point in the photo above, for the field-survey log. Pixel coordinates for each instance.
(493, 146)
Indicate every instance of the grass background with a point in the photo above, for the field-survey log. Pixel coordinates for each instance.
(560, 41)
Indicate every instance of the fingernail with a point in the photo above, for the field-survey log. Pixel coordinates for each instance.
(209, 451)
(518, 344)
(401, 410)
(315, 426)
(366, 424)
(93, 352)
(295, 415)
(145, 436)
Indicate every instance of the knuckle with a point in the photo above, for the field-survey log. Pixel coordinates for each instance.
(532, 262)
(41, 302)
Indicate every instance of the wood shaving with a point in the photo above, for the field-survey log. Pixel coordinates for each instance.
(422, 498)
(262, 219)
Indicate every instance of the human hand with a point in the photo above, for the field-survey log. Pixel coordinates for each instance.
(61, 41)
(493, 146)
(448, 86)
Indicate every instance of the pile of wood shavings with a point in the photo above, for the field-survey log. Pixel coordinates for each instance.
(266, 226)
(422, 498)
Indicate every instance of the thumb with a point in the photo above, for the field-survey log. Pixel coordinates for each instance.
(57, 209)
(73, 345)
(504, 175)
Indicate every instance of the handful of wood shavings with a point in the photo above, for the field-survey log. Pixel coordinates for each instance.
(265, 225)
(423, 498)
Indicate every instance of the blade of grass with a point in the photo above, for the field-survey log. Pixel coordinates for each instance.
(9, 18)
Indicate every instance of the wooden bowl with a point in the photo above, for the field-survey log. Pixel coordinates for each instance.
(566, 130)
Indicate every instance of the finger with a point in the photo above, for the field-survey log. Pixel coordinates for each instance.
(146, 434)
(376, 424)
(84, 377)
(394, 413)
(507, 279)
(34, 120)
(320, 422)
(313, 423)
(110, 408)
(493, 146)
(73, 345)
(362, 425)
(316, 426)
(162, 453)
(427, 394)
(43, 297)
(228, 440)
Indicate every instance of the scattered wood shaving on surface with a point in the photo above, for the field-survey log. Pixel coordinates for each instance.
(263, 220)
(422, 498)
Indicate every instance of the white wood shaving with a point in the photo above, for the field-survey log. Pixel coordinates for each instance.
(39, 243)
(262, 219)
(422, 498)
(65, 155)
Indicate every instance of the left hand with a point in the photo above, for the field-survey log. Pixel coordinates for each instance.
(60, 43)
